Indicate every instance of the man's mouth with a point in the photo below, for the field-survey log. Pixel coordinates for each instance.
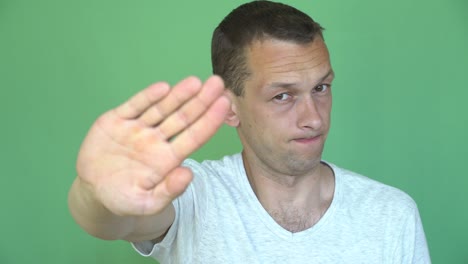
(306, 140)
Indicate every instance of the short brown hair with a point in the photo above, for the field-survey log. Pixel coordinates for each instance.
(255, 21)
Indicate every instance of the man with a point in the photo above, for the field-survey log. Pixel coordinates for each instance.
(277, 201)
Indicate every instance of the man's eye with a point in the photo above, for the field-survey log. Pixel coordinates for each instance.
(321, 88)
(282, 97)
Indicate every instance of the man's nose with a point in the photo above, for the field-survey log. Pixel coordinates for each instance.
(308, 115)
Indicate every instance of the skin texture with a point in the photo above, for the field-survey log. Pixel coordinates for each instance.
(129, 163)
(283, 121)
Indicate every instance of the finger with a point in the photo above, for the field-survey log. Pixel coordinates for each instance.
(173, 185)
(180, 94)
(191, 111)
(201, 130)
(136, 105)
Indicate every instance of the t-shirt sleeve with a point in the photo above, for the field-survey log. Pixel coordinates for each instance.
(412, 245)
(188, 215)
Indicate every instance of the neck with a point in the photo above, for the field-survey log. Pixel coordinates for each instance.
(296, 202)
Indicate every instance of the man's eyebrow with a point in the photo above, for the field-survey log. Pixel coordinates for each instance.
(288, 85)
(330, 73)
(276, 85)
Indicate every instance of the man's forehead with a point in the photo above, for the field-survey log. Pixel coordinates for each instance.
(286, 59)
(273, 51)
(292, 82)
(271, 41)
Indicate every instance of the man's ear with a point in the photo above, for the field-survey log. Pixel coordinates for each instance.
(232, 119)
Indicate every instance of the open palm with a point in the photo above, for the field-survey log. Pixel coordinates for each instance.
(131, 157)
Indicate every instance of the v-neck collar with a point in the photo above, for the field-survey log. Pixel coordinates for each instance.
(270, 223)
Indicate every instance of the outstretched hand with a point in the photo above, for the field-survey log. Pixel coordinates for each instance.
(131, 157)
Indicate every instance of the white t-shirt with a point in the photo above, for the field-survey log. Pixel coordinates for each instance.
(220, 220)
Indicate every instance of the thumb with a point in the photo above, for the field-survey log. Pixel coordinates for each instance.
(173, 185)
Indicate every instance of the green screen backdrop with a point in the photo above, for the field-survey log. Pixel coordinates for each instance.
(399, 113)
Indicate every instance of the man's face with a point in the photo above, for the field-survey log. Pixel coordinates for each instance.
(284, 115)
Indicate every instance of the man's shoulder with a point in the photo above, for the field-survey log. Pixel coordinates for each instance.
(227, 162)
(222, 172)
(370, 192)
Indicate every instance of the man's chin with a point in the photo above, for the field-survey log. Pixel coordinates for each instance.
(302, 164)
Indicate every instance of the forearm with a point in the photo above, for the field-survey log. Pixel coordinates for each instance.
(98, 221)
